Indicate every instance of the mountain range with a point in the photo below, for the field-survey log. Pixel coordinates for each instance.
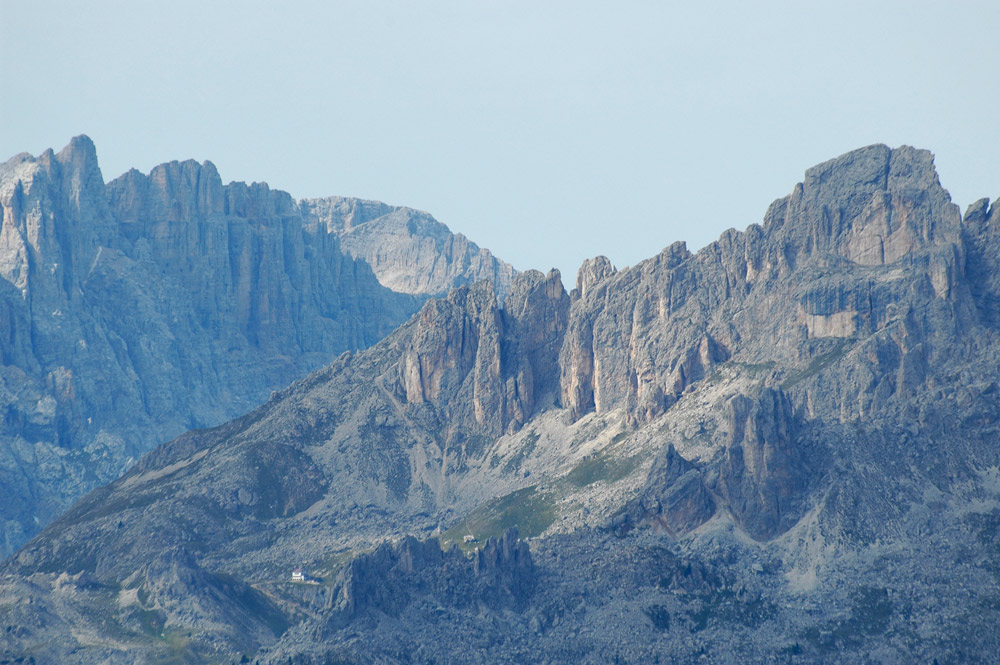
(784, 447)
(134, 310)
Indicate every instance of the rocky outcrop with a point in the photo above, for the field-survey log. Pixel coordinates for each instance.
(674, 498)
(637, 340)
(174, 593)
(500, 574)
(409, 251)
(981, 231)
(504, 564)
(591, 273)
(484, 363)
(762, 475)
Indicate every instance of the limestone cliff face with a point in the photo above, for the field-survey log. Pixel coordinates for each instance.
(249, 262)
(762, 475)
(845, 257)
(637, 339)
(759, 475)
(410, 251)
(486, 364)
(134, 310)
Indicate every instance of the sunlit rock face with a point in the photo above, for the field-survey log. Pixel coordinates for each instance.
(408, 250)
(468, 351)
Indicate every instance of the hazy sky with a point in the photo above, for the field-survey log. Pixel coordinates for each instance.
(548, 132)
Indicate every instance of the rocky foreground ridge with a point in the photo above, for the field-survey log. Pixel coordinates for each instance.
(134, 310)
(782, 448)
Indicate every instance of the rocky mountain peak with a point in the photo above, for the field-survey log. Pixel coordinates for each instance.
(344, 213)
(75, 170)
(191, 190)
(853, 176)
(80, 156)
(591, 273)
(54, 219)
(871, 206)
(977, 212)
(982, 214)
(534, 289)
(394, 240)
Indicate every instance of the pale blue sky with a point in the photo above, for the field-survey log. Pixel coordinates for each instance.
(547, 131)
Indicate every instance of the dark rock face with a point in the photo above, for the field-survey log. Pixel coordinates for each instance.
(980, 229)
(500, 574)
(762, 474)
(674, 497)
(505, 564)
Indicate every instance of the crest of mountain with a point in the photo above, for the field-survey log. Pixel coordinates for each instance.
(409, 251)
(134, 310)
(781, 448)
